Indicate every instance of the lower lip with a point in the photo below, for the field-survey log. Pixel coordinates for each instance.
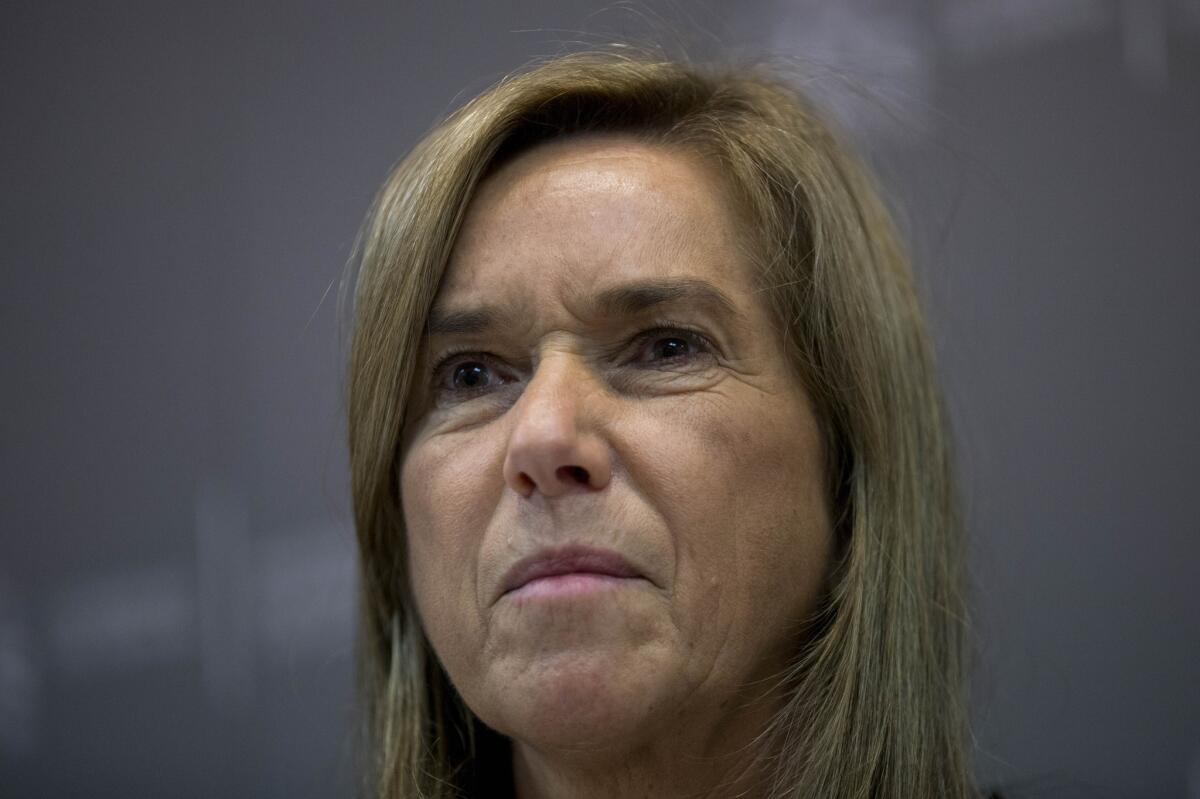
(564, 586)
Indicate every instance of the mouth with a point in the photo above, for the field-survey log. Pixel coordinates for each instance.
(568, 569)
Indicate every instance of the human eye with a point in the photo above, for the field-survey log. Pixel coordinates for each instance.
(463, 374)
(672, 344)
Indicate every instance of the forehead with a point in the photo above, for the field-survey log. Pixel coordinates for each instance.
(566, 221)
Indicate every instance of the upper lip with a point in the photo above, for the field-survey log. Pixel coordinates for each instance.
(566, 560)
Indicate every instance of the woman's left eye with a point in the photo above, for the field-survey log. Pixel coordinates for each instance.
(671, 344)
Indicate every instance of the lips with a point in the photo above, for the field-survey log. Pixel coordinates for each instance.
(567, 560)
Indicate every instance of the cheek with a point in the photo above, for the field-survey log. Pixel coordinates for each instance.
(444, 497)
(725, 455)
(739, 479)
(777, 472)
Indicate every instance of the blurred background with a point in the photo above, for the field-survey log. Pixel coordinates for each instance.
(181, 185)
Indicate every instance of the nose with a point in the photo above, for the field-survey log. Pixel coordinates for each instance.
(554, 447)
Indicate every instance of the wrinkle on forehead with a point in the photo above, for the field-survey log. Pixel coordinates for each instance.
(596, 158)
(645, 196)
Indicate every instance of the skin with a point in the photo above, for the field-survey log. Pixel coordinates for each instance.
(697, 459)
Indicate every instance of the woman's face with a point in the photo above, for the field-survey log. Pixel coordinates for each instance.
(612, 488)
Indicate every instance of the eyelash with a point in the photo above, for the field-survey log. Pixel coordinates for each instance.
(659, 329)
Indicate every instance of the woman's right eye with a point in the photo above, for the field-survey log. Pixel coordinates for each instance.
(457, 376)
(469, 375)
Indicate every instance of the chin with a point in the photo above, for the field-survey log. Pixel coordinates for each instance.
(579, 700)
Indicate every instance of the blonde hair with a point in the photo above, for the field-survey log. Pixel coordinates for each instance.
(876, 704)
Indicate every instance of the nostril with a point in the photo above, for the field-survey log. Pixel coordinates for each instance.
(527, 484)
(573, 472)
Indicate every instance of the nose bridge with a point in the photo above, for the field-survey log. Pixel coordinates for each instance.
(552, 396)
(554, 446)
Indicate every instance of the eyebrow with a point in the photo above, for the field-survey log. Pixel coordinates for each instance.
(627, 299)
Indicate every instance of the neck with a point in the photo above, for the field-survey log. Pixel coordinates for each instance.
(723, 761)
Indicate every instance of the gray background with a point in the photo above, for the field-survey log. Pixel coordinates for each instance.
(181, 186)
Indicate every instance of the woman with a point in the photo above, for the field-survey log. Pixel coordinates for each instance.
(650, 471)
